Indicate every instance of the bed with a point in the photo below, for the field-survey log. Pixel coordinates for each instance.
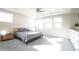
(27, 35)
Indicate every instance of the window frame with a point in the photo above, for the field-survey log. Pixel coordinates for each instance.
(57, 22)
(53, 23)
(6, 17)
(49, 22)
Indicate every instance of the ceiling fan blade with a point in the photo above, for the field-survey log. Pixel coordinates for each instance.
(39, 10)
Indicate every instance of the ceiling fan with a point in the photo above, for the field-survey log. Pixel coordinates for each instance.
(39, 10)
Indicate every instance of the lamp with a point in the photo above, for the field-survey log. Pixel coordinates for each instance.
(3, 32)
(77, 26)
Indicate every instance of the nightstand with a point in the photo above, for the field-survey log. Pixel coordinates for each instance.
(7, 37)
(0, 37)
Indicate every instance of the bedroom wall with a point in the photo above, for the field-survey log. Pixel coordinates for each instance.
(20, 20)
(27, 22)
(68, 21)
(5, 26)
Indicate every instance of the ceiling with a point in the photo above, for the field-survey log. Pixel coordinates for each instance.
(47, 11)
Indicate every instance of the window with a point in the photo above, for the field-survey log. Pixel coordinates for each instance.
(5, 17)
(39, 24)
(57, 22)
(48, 23)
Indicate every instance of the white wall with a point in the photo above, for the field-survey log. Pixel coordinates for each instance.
(23, 21)
(19, 20)
(6, 26)
(68, 21)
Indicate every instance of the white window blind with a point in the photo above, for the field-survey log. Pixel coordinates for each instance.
(57, 22)
(48, 23)
(6, 17)
(39, 24)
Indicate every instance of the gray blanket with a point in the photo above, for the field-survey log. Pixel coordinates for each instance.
(27, 35)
